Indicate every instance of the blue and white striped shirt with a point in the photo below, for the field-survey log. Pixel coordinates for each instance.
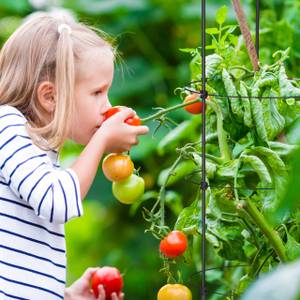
(36, 199)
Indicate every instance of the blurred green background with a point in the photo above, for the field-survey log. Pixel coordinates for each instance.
(149, 35)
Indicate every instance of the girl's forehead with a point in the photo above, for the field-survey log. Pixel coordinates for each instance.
(95, 62)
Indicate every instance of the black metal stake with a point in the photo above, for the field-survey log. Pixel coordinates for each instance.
(203, 170)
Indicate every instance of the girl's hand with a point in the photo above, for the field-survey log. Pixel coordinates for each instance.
(113, 295)
(80, 289)
(119, 136)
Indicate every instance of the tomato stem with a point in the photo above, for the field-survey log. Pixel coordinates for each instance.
(161, 195)
(167, 110)
(266, 228)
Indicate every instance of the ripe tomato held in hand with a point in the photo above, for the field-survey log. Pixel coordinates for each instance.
(174, 244)
(110, 112)
(195, 108)
(111, 280)
(129, 190)
(174, 292)
(134, 121)
(117, 167)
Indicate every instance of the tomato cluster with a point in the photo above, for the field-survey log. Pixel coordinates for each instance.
(111, 280)
(172, 246)
(118, 168)
(127, 187)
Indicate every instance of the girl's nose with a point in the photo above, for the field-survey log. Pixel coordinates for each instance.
(107, 105)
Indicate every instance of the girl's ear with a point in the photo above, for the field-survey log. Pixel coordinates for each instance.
(46, 96)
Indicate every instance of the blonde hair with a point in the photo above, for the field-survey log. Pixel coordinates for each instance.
(37, 52)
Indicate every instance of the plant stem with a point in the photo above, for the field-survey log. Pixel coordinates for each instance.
(161, 196)
(266, 228)
(222, 136)
(167, 110)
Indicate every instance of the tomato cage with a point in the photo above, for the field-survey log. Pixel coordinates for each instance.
(200, 87)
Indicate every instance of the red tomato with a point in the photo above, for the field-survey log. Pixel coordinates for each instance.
(117, 167)
(134, 121)
(195, 108)
(111, 280)
(174, 244)
(174, 292)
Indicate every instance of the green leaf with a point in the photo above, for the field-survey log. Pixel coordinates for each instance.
(282, 149)
(181, 170)
(213, 61)
(183, 131)
(287, 89)
(212, 30)
(274, 121)
(290, 201)
(292, 248)
(221, 15)
(189, 217)
(230, 238)
(210, 167)
(188, 50)
(235, 102)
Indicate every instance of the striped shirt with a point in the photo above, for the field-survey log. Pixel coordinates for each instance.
(36, 199)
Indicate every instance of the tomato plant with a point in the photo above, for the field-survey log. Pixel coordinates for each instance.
(129, 190)
(195, 108)
(117, 167)
(134, 121)
(174, 244)
(249, 117)
(111, 280)
(174, 292)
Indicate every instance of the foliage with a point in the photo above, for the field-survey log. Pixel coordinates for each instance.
(247, 171)
(149, 34)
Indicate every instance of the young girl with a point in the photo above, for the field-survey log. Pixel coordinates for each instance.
(54, 81)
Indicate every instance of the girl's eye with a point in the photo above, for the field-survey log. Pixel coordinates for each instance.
(97, 93)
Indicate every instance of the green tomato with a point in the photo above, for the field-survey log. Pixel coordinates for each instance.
(129, 190)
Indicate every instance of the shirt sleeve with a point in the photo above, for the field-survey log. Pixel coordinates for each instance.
(54, 194)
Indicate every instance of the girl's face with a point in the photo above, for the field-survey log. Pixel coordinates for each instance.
(94, 77)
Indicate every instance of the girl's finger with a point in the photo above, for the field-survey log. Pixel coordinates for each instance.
(88, 273)
(101, 292)
(141, 129)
